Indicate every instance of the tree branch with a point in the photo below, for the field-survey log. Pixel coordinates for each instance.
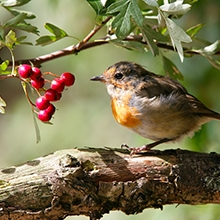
(94, 181)
(75, 49)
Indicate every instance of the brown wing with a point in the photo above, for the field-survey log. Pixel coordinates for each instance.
(155, 85)
(169, 89)
(199, 108)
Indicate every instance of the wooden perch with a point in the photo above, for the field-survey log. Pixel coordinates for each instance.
(93, 181)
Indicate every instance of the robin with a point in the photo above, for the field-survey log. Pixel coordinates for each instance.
(156, 107)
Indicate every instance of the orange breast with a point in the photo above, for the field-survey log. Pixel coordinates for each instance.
(124, 114)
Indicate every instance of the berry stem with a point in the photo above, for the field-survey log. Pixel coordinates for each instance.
(50, 73)
(24, 86)
(13, 62)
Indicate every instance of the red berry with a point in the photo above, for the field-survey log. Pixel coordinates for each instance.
(39, 83)
(44, 115)
(51, 109)
(68, 78)
(58, 97)
(25, 70)
(57, 84)
(52, 95)
(42, 103)
(36, 73)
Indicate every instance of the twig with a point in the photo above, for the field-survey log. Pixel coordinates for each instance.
(84, 44)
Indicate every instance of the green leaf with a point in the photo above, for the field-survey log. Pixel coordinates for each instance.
(127, 10)
(151, 37)
(146, 31)
(2, 33)
(130, 45)
(13, 3)
(122, 23)
(177, 35)
(96, 5)
(171, 69)
(2, 105)
(58, 32)
(194, 30)
(4, 66)
(117, 6)
(48, 39)
(27, 27)
(151, 2)
(20, 41)
(176, 8)
(15, 12)
(18, 22)
(15, 20)
(45, 40)
(10, 39)
(136, 13)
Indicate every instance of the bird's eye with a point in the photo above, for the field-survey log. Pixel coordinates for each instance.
(118, 75)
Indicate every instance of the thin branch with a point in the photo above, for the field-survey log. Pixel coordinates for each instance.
(75, 49)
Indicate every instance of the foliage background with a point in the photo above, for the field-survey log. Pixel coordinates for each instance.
(84, 117)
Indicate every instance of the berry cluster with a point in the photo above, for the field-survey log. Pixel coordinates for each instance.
(43, 104)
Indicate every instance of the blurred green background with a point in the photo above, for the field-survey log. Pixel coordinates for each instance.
(84, 116)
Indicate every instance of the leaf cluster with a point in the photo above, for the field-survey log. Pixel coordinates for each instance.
(152, 23)
(156, 24)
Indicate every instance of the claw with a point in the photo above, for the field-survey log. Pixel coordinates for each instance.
(144, 148)
(132, 150)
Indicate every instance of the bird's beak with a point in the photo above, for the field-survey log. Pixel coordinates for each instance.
(98, 78)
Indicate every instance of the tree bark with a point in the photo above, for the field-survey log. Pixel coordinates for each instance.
(93, 181)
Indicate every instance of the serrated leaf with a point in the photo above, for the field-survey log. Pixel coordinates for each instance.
(127, 10)
(130, 45)
(13, 3)
(10, 39)
(58, 32)
(15, 20)
(151, 2)
(123, 25)
(96, 5)
(171, 69)
(176, 8)
(194, 30)
(136, 13)
(117, 6)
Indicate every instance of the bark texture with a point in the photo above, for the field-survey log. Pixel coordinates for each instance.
(93, 181)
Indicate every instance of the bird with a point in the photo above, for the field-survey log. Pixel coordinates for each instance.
(156, 107)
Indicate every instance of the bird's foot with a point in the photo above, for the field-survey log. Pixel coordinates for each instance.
(144, 148)
(136, 150)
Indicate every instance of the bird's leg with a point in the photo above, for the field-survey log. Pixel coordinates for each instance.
(146, 147)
